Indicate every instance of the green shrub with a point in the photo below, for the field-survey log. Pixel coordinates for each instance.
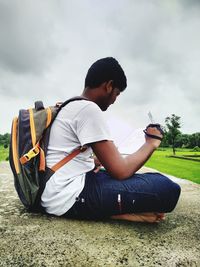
(196, 148)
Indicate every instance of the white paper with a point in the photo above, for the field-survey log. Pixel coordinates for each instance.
(126, 138)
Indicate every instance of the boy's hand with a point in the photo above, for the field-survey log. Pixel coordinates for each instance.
(154, 134)
(98, 165)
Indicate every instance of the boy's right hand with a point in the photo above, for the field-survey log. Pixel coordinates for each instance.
(154, 134)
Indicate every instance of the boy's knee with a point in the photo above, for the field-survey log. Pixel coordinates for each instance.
(173, 197)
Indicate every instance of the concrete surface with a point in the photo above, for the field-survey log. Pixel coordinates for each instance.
(40, 240)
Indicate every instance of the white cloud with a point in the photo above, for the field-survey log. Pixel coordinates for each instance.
(26, 38)
(46, 48)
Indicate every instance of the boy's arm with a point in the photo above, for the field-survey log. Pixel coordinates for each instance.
(122, 168)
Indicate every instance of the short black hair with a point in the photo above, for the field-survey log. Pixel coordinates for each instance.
(104, 70)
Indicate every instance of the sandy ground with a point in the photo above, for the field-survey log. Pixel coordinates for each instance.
(39, 240)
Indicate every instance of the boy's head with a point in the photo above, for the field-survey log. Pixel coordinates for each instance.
(104, 70)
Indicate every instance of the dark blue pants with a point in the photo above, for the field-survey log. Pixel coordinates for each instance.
(104, 196)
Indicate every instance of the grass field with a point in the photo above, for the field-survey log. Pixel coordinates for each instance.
(160, 160)
(3, 153)
(182, 168)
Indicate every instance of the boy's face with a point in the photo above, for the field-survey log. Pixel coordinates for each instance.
(109, 99)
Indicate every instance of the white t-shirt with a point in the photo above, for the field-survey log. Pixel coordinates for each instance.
(78, 123)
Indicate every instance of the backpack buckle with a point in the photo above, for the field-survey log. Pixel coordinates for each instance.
(83, 148)
(29, 155)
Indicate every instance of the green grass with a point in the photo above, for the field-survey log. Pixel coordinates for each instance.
(181, 168)
(3, 153)
(186, 169)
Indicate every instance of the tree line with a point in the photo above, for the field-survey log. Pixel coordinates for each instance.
(5, 140)
(173, 136)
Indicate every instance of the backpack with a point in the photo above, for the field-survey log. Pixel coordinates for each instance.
(27, 156)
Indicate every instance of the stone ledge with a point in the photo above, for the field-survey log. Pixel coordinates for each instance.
(39, 240)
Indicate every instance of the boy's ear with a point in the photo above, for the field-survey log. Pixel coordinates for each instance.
(109, 86)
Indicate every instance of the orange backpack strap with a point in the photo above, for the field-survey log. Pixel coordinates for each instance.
(68, 158)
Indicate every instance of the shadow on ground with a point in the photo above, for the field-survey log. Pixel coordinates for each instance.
(39, 240)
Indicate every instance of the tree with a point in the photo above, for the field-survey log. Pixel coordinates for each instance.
(185, 140)
(173, 125)
(194, 140)
(5, 139)
(165, 142)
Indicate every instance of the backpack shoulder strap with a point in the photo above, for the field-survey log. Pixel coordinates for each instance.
(71, 100)
(66, 159)
(76, 151)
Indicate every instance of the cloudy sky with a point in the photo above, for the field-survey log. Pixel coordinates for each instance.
(46, 48)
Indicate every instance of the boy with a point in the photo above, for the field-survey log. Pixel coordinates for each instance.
(79, 190)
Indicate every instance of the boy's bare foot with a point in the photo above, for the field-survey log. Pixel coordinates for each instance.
(149, 217)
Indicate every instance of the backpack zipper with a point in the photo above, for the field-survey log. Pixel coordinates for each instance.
(32, 126)
(49, 116)
(14, 144)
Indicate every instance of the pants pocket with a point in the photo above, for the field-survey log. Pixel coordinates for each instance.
(120, 202)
